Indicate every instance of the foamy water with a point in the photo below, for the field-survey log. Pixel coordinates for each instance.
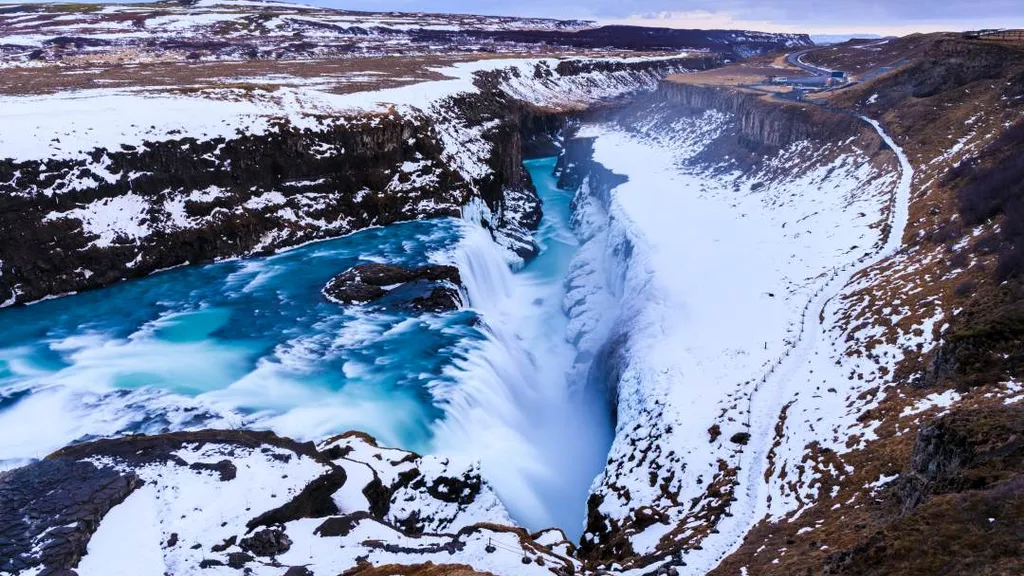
(253, 343)
(244, 343)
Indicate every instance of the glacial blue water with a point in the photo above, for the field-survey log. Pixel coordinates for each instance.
(254, 343)
(252, 337)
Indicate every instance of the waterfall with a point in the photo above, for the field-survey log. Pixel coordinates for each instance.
(484, 269)
(510, 401)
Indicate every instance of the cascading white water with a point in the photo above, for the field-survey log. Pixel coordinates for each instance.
(485, 274)
(511, 404)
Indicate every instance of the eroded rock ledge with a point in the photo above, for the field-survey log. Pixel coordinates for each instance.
(434, 287)
(256, 503)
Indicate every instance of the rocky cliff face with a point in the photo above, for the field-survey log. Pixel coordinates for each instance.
(965, 450)
(760, 125)
(72, 224)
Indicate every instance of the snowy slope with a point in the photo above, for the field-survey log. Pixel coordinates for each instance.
(724, 284)
(215, 503)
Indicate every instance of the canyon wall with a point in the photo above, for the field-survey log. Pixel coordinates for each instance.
(71, 225)
(81, 222)
(761, 125)
(675, 471)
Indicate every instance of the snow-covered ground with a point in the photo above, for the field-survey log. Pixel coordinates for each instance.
(725, 285)
(188, 518)
(229, 19)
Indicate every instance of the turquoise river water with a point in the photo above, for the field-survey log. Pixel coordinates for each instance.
(253, 343)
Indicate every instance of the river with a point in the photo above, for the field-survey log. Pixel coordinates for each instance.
(253, 343)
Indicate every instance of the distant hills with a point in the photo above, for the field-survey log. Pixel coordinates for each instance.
(839, 38)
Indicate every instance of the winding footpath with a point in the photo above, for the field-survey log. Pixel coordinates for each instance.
(781, 380)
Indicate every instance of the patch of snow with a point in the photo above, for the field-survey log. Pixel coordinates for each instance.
(128, 541)
(121, 216)
(937, 400)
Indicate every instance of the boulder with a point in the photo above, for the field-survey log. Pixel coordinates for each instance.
(433, 288)
(267, 542)
(224, 468)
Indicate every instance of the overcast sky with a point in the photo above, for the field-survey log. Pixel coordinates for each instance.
(897, 17)
(815, 16)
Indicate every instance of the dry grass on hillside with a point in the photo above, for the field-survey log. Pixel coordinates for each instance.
(336, 75)
(858, 57)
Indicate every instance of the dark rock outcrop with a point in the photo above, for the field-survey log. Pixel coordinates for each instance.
(315, 501)
(224, 468)
(434, 288)
(238, 560)
(964, 450)
(379, 497)
(50, 509)
(340, 526)
(227, 543)
(267, 542)
(141, 450)
(740, 438)
(959, 505)
(456, 490)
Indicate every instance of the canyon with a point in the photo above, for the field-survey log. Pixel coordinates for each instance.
(570, 306)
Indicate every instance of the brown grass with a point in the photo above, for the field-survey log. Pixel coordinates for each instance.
(131, 68)
(385, 72)
(732, 75)
(859, 57)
